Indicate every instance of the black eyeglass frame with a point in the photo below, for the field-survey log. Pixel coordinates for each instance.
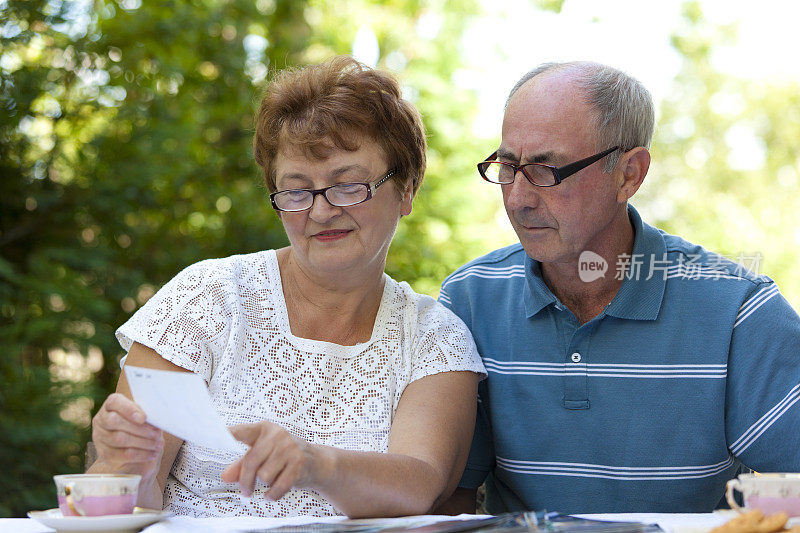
(559, 173)
(371, 188)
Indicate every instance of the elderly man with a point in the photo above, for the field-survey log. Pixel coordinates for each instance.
(629, 370)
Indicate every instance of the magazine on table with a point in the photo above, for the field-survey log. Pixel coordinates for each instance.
(504, 523)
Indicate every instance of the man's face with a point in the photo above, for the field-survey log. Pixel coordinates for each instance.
(548, 121)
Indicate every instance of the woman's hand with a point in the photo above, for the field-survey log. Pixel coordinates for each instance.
(276, 457)
(125, 443)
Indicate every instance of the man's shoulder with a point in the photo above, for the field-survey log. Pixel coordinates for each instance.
(503, 263)
(693, 261)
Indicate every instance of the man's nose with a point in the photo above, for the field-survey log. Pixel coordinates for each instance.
(521, 193)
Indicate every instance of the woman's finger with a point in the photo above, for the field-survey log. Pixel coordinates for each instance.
(126, 408)
(272, 458)
(126, 456)
(283, 482)
(251, 462)
(111, 429)
(118, 439)
(271, 469)
(247, 433)
(119, 414)
(232, 472)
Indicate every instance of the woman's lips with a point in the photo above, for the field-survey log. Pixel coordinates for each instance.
(331, 235)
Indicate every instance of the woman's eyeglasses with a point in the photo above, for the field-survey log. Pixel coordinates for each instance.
(339, 195)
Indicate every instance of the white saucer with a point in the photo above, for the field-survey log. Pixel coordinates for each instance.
(117, 523)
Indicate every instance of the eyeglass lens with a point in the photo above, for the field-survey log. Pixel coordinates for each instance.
(503, 173)
(341, 195)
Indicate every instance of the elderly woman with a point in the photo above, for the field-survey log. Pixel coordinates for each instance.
(355, 394)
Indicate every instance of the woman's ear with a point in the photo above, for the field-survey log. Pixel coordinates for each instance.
(406, 203)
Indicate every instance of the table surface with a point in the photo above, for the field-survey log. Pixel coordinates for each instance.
(675, 523)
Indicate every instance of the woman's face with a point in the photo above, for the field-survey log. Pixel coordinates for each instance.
(336, 240)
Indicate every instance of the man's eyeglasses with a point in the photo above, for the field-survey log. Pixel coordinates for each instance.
(538, 174)
(339, 195)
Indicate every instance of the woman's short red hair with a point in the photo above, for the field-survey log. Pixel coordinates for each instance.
(343, 102)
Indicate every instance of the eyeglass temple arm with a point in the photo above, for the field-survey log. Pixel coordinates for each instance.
(572, 168)
(373, 186)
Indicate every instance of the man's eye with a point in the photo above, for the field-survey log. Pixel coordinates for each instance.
(505, 171)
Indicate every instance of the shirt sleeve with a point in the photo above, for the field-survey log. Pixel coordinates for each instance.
(182, 321)
(762, 410)
(443, 343)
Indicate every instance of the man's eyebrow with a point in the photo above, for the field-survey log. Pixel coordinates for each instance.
(506, 155)
(544, 157)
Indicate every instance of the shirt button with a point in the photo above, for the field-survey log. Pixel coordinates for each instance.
(576, 357)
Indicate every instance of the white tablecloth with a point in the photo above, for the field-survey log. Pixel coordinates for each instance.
(674, 523)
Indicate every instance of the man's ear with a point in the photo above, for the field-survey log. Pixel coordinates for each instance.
(633, 166)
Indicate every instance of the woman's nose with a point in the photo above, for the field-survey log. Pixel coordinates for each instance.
(322, 210)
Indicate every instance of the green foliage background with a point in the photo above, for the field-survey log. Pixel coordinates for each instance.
(126, 134)
(125, 130)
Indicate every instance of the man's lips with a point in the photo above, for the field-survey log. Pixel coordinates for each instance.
(530, 222)
(535, 228)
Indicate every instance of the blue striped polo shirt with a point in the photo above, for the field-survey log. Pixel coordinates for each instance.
(691, 371)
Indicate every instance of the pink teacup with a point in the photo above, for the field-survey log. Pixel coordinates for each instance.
(771, 493)
(96, 494)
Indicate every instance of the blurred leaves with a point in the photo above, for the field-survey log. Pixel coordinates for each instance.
(726, 158)
(125, 155)
(549, 5)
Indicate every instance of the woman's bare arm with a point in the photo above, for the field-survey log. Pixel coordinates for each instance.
(428, 446)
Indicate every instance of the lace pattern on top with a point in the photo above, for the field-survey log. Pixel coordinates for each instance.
(226, 320)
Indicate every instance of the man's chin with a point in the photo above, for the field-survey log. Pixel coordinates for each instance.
(537, 242)
(537, 252)
(544, 252)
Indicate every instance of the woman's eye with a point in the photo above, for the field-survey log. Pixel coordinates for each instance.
(349, 188)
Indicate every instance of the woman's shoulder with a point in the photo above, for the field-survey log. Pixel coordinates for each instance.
(234, 268)
(423, 310)
(440, 341)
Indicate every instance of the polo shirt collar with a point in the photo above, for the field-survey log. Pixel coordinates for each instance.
(537, 294)
(638, 298)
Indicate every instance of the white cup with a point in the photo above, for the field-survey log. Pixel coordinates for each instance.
(96, 494)
(770, 493)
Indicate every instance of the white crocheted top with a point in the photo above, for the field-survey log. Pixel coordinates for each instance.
(226, 320)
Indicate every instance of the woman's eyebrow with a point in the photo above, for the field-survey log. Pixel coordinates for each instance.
(347, 168)
(305, 180)
(294, 176)
(293, 180)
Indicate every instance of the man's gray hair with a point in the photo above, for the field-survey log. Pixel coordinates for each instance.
(625, 112)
